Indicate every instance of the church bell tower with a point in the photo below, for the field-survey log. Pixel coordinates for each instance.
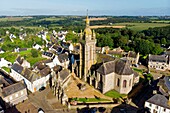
(88, 50)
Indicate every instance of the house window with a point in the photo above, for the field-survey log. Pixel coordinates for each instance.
(150, 105)
(164, 110)
(22, 92)
(10, 97)
(6, 100)
(118, 82)
(16, 95)
(130, 82)
(156, 107)
(124, 83)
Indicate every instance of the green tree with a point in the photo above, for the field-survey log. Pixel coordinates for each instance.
(72, 37)
(34, 53)
(163, 41)
(104, 40)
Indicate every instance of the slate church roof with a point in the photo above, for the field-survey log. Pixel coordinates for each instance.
(64, 74)
(118, 66)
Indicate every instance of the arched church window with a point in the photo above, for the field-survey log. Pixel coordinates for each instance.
(118, 82)
(124, 83)
(130, 82)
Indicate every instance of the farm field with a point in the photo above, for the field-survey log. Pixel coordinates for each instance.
(141, 26)
(13, 18)
(161, 21)
(106, 26)
(52, 19)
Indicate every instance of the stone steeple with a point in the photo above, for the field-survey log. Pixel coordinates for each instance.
(88, 52)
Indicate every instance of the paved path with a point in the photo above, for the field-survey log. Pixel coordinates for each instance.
(39, 100)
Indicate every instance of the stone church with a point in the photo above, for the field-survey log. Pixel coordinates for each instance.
(116, 74)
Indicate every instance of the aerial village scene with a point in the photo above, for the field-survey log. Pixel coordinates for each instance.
(85, 56)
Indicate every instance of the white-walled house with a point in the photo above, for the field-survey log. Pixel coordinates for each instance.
(1, 51)
(62, 60)
(21, 61)
(12, 93)
(34, 81)
(4, 63)
(37, 47)
(158, 104)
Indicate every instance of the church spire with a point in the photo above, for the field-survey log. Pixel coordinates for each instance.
(87, 20)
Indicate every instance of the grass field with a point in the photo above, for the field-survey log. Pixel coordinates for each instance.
(106, 26)
(141, 26)
(52, 19)
(114, 94)
(89, 99)
(161, 21)
(12, 19)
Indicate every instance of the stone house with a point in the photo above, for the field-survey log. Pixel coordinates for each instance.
(34, 81)
(158, 62)
(158, 104)
(14, 93)
(61, 80)
(133, 57)
(21, 61)
(164, 85)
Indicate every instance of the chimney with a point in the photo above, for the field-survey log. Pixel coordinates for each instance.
(154, 92)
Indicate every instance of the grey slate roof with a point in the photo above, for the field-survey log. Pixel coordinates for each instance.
(158, 58)
(164, 84)
(132, 54)
(118, 66)
(16, 67)
(30, 75)
(159, 100)
(64, 74)
(39, 65)
(48, 54)
(19, 60)
(45, 71)
(12, 89)
(57, 68)
(63, 57)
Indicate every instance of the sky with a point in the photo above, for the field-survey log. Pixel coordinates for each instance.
(79, 7)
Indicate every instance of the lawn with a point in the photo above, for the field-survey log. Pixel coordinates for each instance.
(138, 70)
(141, 26)
(11, 57)
(114, 94)
(32, 60)
(89, 99)
(6, 69)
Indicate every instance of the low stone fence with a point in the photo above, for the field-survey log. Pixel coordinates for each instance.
(93, 105)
